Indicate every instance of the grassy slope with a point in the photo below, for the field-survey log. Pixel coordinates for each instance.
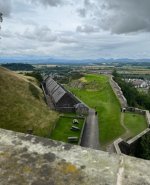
(98, 93)
(62, 130)
(135, 123)
(22, 106)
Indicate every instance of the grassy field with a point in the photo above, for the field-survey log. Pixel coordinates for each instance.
(97, 93)
(22, 106)
(135, 123)
(62, 130)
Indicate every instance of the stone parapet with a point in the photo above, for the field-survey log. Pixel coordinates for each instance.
(27, 159)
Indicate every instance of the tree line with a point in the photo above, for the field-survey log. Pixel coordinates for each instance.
(18, 66)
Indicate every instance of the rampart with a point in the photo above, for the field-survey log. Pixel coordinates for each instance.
(118, 92)
(129, 147)
(31, 160)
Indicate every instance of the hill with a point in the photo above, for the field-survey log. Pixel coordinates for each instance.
(18, 67)
(22, 106)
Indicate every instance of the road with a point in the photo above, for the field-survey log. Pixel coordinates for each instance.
(90, 137)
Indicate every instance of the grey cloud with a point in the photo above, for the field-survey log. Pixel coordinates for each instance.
(86, 29)
(88, 5)
(127, 16)
(82, 12)
(43, 34)
(119, 16)
(5, 7)
(48, 2)
(7, 34)
(67, 40)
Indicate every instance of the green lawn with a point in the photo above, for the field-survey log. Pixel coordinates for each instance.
(98, 93)
(62, 130)
(135, 123)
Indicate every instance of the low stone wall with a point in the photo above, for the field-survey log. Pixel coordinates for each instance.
(136, 110)
(118, 92)
(28, 159)
(116, 145)
(65, 109)
(129, 147)
(147, 117)
(81, 134)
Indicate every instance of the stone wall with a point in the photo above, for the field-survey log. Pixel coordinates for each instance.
(129, 147)
(82, 131)
(136, 110)
(65, 109)
(27, 159)
(147, 117)
(118, 92)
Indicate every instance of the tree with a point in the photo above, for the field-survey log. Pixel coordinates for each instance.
(145, 146)
(133, 96)
(114, 73)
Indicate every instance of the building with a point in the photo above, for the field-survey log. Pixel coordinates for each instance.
(60, 97)
(81, 109)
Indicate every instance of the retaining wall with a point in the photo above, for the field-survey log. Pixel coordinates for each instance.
(65, 109)
(81, 134)
(118, 92)
(129, 147)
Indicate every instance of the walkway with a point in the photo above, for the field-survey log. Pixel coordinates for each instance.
(110, 147)
(90, 137)
(127, 133)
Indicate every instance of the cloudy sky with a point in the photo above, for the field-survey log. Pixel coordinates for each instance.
(77, 29)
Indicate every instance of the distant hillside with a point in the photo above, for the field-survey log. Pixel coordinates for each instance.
(57, 61)
(22, 106)
(18, 67)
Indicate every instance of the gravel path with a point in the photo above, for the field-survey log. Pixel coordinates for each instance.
(90, 137)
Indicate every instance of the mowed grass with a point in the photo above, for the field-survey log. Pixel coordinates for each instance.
(62, 130)
(136, 123)
(97, 93)
(22, 106)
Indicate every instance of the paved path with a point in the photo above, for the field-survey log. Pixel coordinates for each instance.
(90, 137)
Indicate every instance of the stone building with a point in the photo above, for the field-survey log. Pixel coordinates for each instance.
(60, 97)
(81, 109)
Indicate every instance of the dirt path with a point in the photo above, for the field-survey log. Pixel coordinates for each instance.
(90, 137)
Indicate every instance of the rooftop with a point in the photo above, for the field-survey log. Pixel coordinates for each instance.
(54, 89)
